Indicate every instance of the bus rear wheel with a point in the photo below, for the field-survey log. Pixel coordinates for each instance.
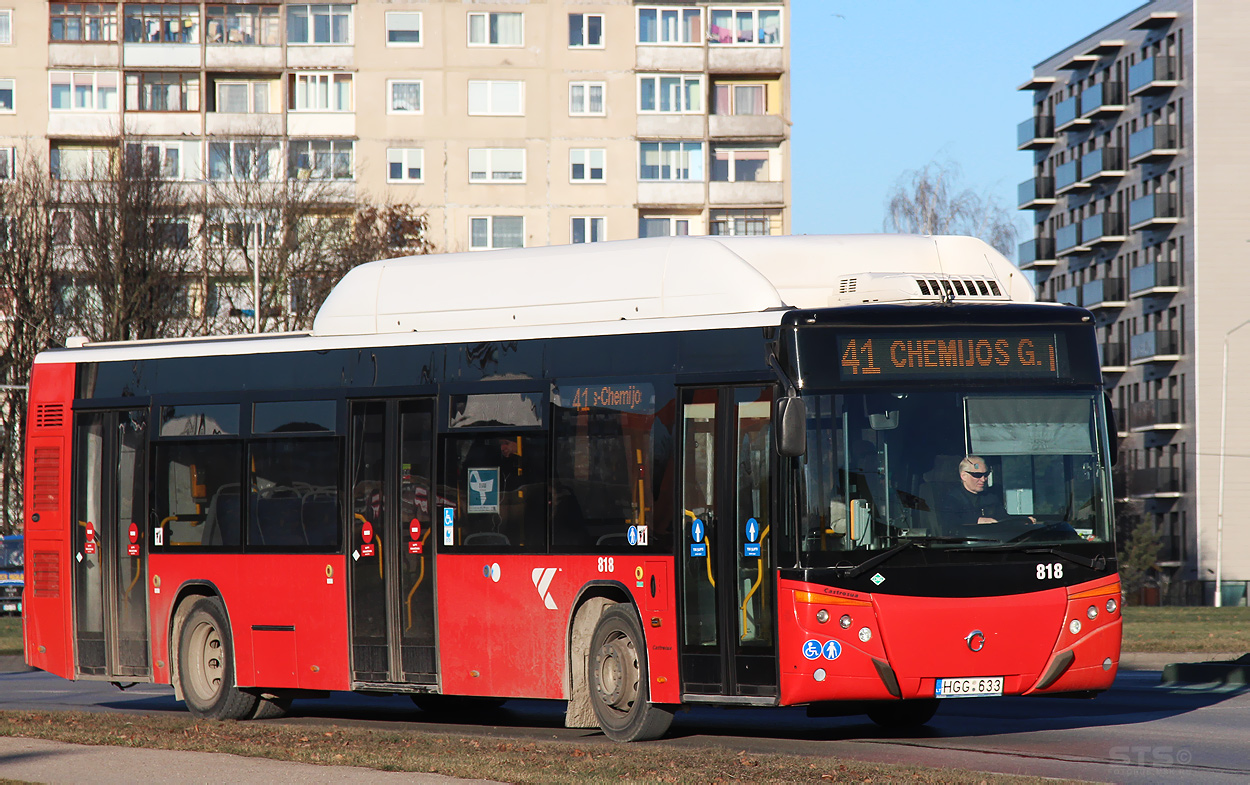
(618, 680)
(206, 665)
(903, 715)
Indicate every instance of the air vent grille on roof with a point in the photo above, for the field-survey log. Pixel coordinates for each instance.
(959, 287)
(847, 285)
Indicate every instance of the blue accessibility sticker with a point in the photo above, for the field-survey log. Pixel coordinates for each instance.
(753, 530)
(631, 535)
(832, 650)
(751, 549)
(811, 649)
(696, 530)
(698, 550)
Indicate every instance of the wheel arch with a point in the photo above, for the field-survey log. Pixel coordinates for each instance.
(180, 608)
(589, 605)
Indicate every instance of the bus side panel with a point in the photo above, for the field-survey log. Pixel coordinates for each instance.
(503, 620)
(288, 615)
(47, 620)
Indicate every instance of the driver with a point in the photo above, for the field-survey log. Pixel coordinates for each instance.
(972, 501)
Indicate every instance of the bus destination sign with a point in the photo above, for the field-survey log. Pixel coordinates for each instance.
(941, 354)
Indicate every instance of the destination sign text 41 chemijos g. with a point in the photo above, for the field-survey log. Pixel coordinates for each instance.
(938, 355)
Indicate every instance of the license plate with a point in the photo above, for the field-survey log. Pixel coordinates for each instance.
(968, 688)
(9, 606)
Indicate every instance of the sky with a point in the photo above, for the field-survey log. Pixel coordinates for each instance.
(881, 87)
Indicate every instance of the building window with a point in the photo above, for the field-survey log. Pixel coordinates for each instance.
(586, 165)
(80, 163)
(83, 91)
(246, 25)
(668, 25)
(243, 161)
(496, 231)
(319, 92)
(497, 165)
(319, 24)
(589, 230)
(741, 223)
(7, 89)
(163, 23)
(6, 27)
(496, 29)
(243, 97)
(240, 229)
(8, 158)
(403, 28)
(403, 96)
(321, 159)
(166, 159)
(82, 22)
(744, 26)
(663, 226)
(749, 165)
(739, 99)
(496, 97)
(673, 161)
(670, 94)
(162, 92)
(405, 165)
(586, 99)
(585, 31)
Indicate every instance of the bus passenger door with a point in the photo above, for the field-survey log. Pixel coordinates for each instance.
(729, 645)
(110, 544)
(391, 554)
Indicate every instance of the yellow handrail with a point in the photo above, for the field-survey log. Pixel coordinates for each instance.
(420, 578)
(759, 578)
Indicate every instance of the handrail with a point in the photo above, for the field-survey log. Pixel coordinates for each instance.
(759, 578)
(420, 578)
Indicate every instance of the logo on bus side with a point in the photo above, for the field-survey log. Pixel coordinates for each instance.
(542, 581)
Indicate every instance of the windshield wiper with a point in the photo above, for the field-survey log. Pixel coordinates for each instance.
(885, 555)
(1099, 562)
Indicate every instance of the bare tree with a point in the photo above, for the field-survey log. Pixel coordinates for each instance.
(929, 201)
(30, 284)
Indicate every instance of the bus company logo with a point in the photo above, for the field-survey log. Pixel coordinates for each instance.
(542, 581)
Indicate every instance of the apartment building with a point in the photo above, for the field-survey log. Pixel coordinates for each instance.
(509, 123)
(1140, 207)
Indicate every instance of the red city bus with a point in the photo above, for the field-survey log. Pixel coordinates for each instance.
(628, 475)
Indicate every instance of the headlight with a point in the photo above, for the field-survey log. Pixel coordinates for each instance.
(1111, 605)
(845, 622)
(822, 615)
(1092, 613)
(1075, 627)
(865, 634)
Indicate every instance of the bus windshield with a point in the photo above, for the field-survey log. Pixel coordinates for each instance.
(950, 470)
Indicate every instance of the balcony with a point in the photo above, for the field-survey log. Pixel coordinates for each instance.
(1157, 141)
(1161, 414)
(1107, 162)
(1112, 357)
(741, 126)
(1159, 482)
(1067, 238)
(1103, 293)
(1153, 75)
(1037, 131)
(1035, 193)
(1157, 346)
(1068, 113)
(1069, 296)
(1068, 177)
(1151, 210)
(1038, 252)
(1154, 278)
(1102, 228)
(749, 194)
(1104, 98)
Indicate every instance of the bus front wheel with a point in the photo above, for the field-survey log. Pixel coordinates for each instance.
(618, 680)
(206, 665)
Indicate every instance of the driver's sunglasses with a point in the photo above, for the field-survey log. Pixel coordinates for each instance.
(978, 475)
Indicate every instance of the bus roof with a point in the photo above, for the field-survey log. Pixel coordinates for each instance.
(663, 277)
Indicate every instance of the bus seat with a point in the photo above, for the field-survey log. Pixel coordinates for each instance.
(225, 506)
(487, 538)
(935, 485)
(319, 513)
(279, 518)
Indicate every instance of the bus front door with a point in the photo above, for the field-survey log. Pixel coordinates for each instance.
(390, 549)
(729, 644)
(110, 545)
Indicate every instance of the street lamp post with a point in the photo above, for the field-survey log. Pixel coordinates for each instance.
(1219, 516)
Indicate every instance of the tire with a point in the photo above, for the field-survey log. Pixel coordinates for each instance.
(905, 714)
(270, 707)
(618, 680)
(462, 707)
(206, 665)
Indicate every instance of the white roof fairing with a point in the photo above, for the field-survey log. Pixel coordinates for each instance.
(651, 279)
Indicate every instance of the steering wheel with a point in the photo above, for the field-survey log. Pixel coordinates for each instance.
(1046, 531)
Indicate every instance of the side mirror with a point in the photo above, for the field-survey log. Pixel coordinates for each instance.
(1113, 429)
(791, 426)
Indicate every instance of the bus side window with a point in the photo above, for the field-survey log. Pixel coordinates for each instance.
(198, 501)
(294, 500)
(500, 486)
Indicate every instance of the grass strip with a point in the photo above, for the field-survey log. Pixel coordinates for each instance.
(1187, 629)
(479, 758)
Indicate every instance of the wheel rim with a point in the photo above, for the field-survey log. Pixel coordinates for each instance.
(207, 662)
(617, 672)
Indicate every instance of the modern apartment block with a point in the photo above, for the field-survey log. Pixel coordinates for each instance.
(510, 123)
(1139, 198)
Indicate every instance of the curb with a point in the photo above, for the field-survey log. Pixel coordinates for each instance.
(1231, 672)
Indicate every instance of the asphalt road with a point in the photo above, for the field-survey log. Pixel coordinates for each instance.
(1139, 731)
